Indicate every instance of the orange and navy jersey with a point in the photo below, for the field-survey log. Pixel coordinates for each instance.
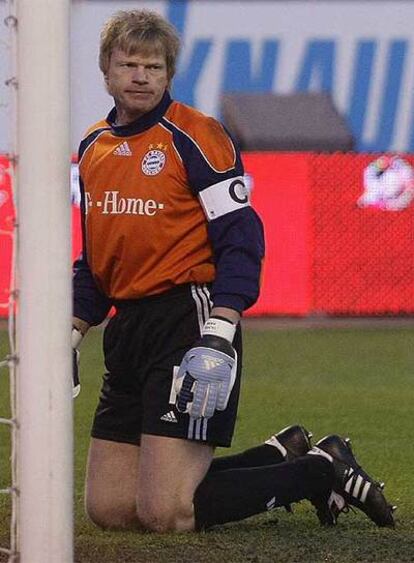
(164, 203)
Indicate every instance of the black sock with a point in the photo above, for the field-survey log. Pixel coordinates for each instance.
(234, 494)
(265, 454)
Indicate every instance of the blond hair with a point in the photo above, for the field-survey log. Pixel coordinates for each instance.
(136, 31)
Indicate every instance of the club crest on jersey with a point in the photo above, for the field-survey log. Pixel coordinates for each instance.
(154, 160)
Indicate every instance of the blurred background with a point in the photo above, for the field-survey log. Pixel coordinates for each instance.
(319, 96)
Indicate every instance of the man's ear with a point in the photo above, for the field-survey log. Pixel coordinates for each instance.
(106, 82)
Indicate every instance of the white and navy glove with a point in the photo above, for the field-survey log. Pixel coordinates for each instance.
(208, 370)
(76, 340)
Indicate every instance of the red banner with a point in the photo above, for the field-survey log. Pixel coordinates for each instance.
(280, 188)
(6, 233)
(339, 232)
(363, 234)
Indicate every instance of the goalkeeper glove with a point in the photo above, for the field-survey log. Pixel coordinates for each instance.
(76, 340)
(208, 370)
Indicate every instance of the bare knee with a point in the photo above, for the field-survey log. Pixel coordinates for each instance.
(164, 494)
(170, 517)
(111, 484)
(111, 516)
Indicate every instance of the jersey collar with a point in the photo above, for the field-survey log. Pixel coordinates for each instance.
(142, 123)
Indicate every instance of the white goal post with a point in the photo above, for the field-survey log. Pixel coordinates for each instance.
(45, 448)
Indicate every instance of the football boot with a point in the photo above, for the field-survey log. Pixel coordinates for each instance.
(292, 442)
(353, 487)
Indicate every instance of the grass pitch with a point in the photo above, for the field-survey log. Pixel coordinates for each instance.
(356, 382)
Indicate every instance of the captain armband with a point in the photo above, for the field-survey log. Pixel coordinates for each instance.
(224, 197)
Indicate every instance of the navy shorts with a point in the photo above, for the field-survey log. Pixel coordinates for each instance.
(143, 344)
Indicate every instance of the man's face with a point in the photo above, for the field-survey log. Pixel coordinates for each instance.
(136, 82)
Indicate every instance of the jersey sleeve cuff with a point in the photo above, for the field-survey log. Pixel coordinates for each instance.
(92, 319)
(235, 302)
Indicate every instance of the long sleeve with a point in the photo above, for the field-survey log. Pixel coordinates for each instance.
(89, 303)
(216, 176)
(238, 246)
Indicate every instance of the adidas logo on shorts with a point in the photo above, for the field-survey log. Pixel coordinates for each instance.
(169, 417)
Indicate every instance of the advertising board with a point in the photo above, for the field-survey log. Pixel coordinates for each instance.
(338, 227)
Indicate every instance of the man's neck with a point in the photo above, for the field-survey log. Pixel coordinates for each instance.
(125, 118)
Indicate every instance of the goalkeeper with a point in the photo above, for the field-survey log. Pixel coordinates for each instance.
(171, 241)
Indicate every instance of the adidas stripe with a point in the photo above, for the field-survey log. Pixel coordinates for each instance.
(354, 484)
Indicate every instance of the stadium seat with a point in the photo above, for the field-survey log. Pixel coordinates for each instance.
(294, 122)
